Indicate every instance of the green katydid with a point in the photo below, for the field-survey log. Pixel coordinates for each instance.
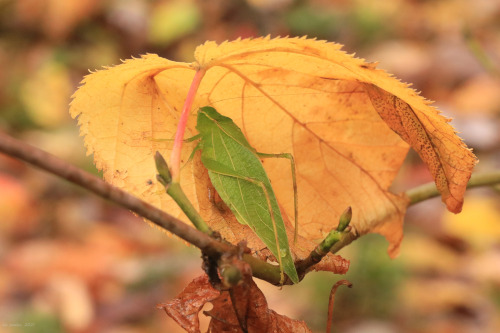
(238, 176)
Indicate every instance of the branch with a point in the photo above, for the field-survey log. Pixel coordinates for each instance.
(429, 190)
(60, 168)
(204, 242)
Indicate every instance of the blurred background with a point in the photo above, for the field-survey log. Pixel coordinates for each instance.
(70, 262)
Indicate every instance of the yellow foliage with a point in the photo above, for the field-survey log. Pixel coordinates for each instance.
(336, 114)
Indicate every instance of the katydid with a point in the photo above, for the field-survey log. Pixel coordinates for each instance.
(239, 177)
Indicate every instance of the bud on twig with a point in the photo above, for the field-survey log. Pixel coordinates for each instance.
(164, 176)
(345, 219)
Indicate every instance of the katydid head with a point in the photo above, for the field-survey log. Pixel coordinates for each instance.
(209, 119)
(204, 120)
(208, 114)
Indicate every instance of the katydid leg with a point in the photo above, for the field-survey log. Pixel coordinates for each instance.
(295, 197)
(191, 139)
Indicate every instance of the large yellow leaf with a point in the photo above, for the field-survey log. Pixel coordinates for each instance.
(348, 125)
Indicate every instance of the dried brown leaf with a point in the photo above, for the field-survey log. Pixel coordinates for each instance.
(249, 308)
(245, 305)
(184, 308)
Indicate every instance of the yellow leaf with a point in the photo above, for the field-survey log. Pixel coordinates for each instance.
(121, 109)
(336, 114)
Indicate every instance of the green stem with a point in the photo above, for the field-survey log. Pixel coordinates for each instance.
(174, 190)
(346, 239)
(429, 190)
(265, 271)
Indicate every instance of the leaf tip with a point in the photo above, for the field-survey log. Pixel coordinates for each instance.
(394, 250)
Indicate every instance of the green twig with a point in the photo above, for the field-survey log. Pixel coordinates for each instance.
(335, 235)
(429, 190)
(323, 248)
(346, 239)
(174, 189)
(424, 192)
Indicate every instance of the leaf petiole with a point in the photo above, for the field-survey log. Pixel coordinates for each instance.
(429, 190)
(175, 158)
